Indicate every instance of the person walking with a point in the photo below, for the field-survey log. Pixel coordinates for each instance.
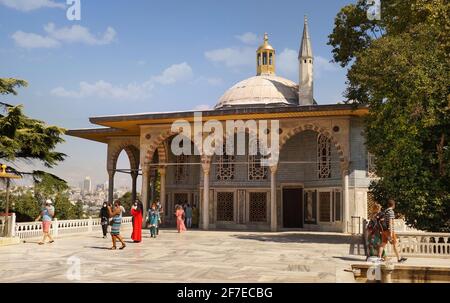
(104, 219)
(136, 212)
(179, 213)
(153, 220)
(47, 214)
(374, 232)
(388, 234)
(116, 215)
(195, 216)
(188, 214)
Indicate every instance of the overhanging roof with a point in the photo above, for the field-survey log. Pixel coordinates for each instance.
(129, 125)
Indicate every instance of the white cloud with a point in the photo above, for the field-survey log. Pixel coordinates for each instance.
(174, 73)
(133, 91)
(232, 57)
(79, 34)
(323, 66)
(30, 40)
(287, 63)
(55, 37)
(248, 38)
(29, 5)
(103, 89)
(141, 62)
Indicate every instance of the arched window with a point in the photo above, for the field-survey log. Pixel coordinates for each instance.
(264, 58)
(323, 157)
(181, 171)
(225, 166)
(270, 59)
(259, 59)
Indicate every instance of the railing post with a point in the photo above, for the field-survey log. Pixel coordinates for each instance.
(55, 227)
(12, 227)
(90, 224)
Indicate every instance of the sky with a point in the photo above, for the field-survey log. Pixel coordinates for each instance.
(137, 56)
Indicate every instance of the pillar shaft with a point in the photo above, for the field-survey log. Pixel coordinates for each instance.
(346, 195)
(111, 174)
(145, 188)
(134, 176)
(273, 198)
(162, 193)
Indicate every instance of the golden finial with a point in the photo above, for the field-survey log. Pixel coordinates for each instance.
(3, 168)
(265, 58)
(266, 38)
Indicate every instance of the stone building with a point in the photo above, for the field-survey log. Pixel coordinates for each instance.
(320, 181)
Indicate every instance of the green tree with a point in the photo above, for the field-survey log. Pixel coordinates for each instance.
(23, 139)
(399, 67)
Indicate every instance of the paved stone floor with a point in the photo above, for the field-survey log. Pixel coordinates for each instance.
(195, 256)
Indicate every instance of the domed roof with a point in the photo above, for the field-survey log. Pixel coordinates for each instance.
(261, 90)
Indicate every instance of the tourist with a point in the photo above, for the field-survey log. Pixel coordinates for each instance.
(47, 214)
(188, 215)
(388, 234)
(116, 216)
(136, 212)
(374, 232)
(179, 213)
(195, 216)
(153, 220)
(104, 219)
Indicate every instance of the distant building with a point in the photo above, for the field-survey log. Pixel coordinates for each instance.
(87, 186)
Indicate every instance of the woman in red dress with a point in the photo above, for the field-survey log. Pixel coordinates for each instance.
(179, 213)
(136, 212)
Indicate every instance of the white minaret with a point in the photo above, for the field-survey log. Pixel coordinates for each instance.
(306, 63)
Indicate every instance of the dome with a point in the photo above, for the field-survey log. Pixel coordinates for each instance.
(261, 90)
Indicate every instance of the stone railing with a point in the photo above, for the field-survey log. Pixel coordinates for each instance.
(422, 244)
(30, 230)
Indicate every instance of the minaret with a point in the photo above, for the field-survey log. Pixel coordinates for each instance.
(265, 58)
(306, 63)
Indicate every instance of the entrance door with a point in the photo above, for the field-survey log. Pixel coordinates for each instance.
(293, 207)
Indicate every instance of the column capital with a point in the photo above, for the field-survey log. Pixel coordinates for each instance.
(162, 170)
(345, 167)
(206, 164)
(273, 168)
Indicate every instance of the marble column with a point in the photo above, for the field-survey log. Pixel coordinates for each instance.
(273, 198)
(111, 174)
(134, 176)
(162, 193)
(206, 165)
(346, 195)
(145, 187)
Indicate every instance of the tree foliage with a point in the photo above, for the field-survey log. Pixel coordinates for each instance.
(27, 140)
(399, 67)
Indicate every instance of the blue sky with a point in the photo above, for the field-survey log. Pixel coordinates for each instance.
(148, 56)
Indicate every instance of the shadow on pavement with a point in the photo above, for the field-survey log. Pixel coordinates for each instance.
(299, 238)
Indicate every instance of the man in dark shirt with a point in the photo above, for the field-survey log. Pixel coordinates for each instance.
(389, 232)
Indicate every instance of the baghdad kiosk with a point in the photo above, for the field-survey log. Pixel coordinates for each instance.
(320, 181)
